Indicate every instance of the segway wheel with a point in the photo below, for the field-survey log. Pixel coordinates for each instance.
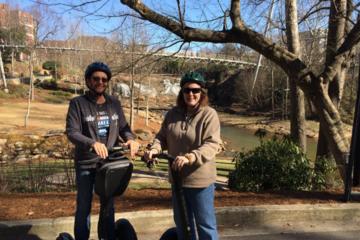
(64, 236)
(124, 230)
(170, 234)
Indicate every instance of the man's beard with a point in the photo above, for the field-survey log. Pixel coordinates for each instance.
(95, 93)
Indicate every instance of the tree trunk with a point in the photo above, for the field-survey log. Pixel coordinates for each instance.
(336, 33)
(331, 124)
(297, 113)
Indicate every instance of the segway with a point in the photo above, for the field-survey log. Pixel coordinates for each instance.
(171, 234)
(112, 178)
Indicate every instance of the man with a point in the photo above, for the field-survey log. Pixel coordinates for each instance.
(94, 123)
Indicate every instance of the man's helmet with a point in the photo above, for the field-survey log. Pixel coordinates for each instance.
(194, 77)
(97, 66)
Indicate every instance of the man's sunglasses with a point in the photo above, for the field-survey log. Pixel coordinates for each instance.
(193, 90)
(97, 79)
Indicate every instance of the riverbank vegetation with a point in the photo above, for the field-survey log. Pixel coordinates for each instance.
(279, 164)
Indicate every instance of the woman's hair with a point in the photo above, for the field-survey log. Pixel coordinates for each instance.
(204, 100)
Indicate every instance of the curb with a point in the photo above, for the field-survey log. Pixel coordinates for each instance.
(247, 220)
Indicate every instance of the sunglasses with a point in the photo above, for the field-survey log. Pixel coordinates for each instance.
(193, 90)
(97, 79)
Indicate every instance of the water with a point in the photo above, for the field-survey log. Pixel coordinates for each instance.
(241, 139)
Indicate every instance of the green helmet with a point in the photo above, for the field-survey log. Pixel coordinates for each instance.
(194, 77)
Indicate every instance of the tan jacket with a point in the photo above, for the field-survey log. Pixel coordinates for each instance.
(198, 134)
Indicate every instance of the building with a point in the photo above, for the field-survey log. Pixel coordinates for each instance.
(10, 18)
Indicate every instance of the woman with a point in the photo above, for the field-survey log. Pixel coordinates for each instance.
(191, 133)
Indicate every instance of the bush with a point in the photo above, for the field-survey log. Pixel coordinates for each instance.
(274, 165)
(324, 174)
(49, 85)
(51, 65)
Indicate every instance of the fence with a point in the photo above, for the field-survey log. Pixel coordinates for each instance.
(40, 176)
(59, 175)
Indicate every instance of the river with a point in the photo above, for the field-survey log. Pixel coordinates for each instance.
(241, 139)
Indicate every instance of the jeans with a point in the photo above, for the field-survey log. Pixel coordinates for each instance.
(85, 181)
(201, 213)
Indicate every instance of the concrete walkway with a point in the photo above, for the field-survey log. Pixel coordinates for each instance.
(305, 221)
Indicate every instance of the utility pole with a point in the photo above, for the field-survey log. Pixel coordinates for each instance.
(260, 56)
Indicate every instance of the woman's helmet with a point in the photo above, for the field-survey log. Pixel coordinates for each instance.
(97, 66)
(194, 77)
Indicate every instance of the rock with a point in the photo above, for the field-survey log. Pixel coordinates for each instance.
(52, 133)
(36, 157)
(34, 137)
(3, 142)
(4, 157)
(19, 150)
(56, 155)
(21, 158)
(36, 151)
(19, 144)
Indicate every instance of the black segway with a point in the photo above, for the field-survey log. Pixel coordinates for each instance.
(171, 234)
(112, 178)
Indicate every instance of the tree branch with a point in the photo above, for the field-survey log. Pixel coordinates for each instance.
(343, 52)
(235, 14)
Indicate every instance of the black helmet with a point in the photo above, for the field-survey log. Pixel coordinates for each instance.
(194, 77)
(97, 66)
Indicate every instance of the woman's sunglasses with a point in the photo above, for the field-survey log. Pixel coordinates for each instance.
(193, 90)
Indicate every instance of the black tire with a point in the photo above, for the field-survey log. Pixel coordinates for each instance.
(170, 234)
(124, 230)
(64, 236)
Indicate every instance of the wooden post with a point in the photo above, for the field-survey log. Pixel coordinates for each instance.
(3, 74)
(147, 111)
(272, 93)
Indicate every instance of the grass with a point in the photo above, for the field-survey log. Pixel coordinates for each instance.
(15, 91)
(152, 185)
(58, 97)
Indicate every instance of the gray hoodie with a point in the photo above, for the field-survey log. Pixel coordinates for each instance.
(81, 127)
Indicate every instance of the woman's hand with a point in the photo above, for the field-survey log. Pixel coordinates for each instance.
(100, 149)
(133, 146)
(148, 155)
(180, 162)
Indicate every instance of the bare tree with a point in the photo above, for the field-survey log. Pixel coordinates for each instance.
(46, 25)
(313, 84)
(297, 113)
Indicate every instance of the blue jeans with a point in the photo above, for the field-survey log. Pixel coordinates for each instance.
(201, 213)
(85, 181)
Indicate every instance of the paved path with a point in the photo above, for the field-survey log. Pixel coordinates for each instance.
(336, 235)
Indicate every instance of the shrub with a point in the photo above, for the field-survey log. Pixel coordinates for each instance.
(50, 85)
(51, 65)
(274, 165)
(324, 174)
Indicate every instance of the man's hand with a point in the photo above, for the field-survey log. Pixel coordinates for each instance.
(100, 149)
(133, 146)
